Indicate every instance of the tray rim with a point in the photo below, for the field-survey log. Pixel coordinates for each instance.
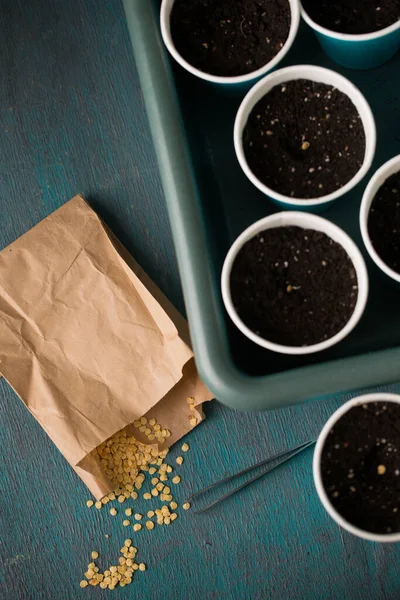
(231, 386)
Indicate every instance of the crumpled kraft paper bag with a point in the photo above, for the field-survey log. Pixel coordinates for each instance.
(87, 340)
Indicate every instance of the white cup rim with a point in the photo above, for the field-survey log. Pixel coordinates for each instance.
(165, 12)
(306, 221)
(367, 535)
(377, 180)
(313, 73)
(348, 37)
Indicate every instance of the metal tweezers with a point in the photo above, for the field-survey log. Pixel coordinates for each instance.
(276, 460)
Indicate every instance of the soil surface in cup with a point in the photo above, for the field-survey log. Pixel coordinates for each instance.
(353, 16)
(294, 286)
(304, 139)
(384, 222)
(360, 467)
(229, 38)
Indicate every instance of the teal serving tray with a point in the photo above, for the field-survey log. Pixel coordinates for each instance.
(210, 201)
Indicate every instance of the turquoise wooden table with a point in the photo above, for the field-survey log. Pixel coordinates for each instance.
(72, 120)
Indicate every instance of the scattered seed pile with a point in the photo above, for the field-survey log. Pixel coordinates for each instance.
(304, 139)
(384, 222)
(360, 467)
(353, 16)
(294, 286)
(126, 461)
(228, 38)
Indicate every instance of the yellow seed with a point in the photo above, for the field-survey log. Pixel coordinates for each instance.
(192, 420)
(147, 496)
(126, 522)
(134, 495)
(186, 506)
(381, 469)
(89, 503)
(173, 505)
(169, 469)
(157, 427)
(152, 470)
(151, 437)
(135, 566)
(142, 428)
(98, 505)
(138, 517)
(93, 582)
(154, 481)
(185, 447)
(113, 569)
(173, 516)
(128, 512)
(150, 525)
(83, 583)
(154, 492)
(179, 460)
(137, 527)
(105, 500)
(166, 489)
(95, 555)
(137, 424)
(176, 479)
(161, 440)
(305, 145)
(150, 514)
(159, 486)
(128, 543)
(113, 512)
(122, 560)
(190, 400)
(111, 496)
(142, 567)
(121, 499)
(143, 420)
(129, 562)
(103, 585)
(163, 477)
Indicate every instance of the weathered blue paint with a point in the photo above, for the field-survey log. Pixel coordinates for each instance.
(72, 120)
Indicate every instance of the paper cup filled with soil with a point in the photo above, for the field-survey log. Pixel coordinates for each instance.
(380, 218)
(294, 283)
(359, 34)
(229, 42)
(304, 136)
(357, 467)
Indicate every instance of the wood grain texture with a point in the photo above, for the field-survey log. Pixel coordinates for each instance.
(72, 120)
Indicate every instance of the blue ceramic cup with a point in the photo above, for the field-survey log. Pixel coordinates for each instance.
(363, 51)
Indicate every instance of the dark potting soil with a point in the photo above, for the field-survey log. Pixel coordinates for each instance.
(360, 466)
(384, 222)
(304, 139)
(353, 16)
(227, 37)
(294, 286)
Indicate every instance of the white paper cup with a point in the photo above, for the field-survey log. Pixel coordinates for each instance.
(306, 221)
(388, 169)
(165, 15)
(320, 75)
(366, 535)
